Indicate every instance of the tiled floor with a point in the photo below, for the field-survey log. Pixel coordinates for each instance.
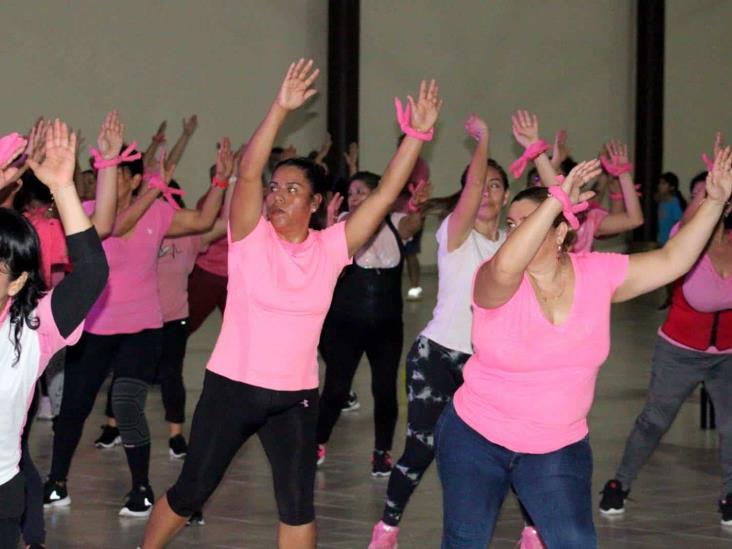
(675, 497)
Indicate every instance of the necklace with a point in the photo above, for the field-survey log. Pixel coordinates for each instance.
(542, 295)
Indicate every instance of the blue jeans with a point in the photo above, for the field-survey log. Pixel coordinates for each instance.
(555, 488)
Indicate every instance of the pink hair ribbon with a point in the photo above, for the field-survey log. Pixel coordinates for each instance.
(613, 167)
(404, 117)
(518, 166)
(9, 144)
(568, 209)
(125, 156)
(708, 162)
(154, 181)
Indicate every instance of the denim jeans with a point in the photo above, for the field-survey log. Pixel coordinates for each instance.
(555, 488)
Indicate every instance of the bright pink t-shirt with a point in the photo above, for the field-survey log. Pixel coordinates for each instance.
(279, 294)
(215, 258)
(52, 238)
(175, 262)
(130, 302)
(587, 231)
(530, 384)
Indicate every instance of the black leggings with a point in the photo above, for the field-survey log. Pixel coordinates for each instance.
(32, 523)
(227, 414)
(345, 338)
(12, 502)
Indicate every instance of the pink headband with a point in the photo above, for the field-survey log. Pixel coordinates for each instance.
(126, 156)
(404, 117)
(518, 166)
(9, 144)
(613, 167)
(568, 209)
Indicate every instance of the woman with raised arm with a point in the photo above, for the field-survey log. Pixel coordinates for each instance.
(266, 354)
(467, 236)
(34, 324)
(520, 418)
(124, 330)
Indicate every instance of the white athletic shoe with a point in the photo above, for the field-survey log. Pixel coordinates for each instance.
(414, 294)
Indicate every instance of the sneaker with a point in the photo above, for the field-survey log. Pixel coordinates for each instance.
(380, 464)
(55, 494)
(177, 447)
(196, 519)
(725, 507)
(139, 502)
(109, 437)
(44, 408)
(35, 546)
(321, 455)
(530, 539)
(613, 498)
(414, 294)
(384, 536)
(352, 403)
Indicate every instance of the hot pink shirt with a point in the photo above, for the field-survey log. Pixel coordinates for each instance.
(52, 238)
(215, 258)
(530, 384)
(279, 294)
(175, 262)
(130, 302)
(587, 231)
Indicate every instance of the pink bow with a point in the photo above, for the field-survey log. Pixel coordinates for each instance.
(708, 162)
(9, 144)
(518, 166)
(125, 156)
(154, 181)
(568, 209)
(613, 167)
(404, 117)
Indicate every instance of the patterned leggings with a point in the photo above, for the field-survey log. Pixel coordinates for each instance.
(434, 373)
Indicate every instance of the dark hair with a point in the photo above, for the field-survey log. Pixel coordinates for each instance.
(178, 199)
(32, 190)
(20, 252)
(538, 195)
(315, 175)
(370, 179)
(701, 176)
(531, 178)
(567, 165)
(134, 167)
(277, 150)
(673, 181)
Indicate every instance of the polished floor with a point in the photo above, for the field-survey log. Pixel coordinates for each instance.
(674, 500)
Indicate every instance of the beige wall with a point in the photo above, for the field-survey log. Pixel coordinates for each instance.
(569, 61)
(152, 60)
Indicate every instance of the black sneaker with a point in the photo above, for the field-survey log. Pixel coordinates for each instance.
(352, 403)
(196, 519)
(613, 498)
(139, 502)
(177, 447)
(725, 507)
(380, 464)
(55, 494)
(109, 437)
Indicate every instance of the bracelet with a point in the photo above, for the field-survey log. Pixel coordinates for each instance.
(518, 166)
(568, 209)
(404, 117)
(220, 183)
(125, 156)
(613, 167)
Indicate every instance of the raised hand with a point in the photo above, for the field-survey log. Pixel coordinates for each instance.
(718, 143)
(295, 89)
(352, 157)
(159, 136)
(525, 127)
(224, 160)
(190, 125)
(334, 206)
(617, 151)
(57, 169)
(580, 175)
(719, 180)
(477, 128)
(426, 109)
(560, 152)
(421, 193)
(111, 136)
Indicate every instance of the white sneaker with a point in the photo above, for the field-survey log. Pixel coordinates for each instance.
(414, 294)
(44, 408)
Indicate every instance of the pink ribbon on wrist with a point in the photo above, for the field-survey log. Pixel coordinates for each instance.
(154, 181)
(614, 168)
(404, 118)
(125, 156)
(518, 166)
(708, 162)
(568, 209)
(9, 144)
(616, 196)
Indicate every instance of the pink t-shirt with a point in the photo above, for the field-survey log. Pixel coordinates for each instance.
(53, 241)
(130, 302)
(279, 294)
(175, 262)
(530, 384)
(215, 258)
(587, 231)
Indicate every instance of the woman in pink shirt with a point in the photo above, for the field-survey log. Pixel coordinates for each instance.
(520, 418)
(263, 374)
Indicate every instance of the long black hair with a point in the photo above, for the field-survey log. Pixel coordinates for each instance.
(673, 181)
(316, 176)
(20, 252)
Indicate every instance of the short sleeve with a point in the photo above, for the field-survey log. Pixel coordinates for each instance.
(50, 339)
(611, 267)
(165, 214)
(257, 234)
(334, 240)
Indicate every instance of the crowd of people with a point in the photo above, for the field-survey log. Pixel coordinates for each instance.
(106, 272)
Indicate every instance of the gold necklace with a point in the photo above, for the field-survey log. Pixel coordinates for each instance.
(542, 295)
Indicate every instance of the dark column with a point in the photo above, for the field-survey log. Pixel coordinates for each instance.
(343, 69)
(649, 108)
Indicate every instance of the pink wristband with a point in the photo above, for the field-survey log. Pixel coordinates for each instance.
(125, 156)
(9, 144)
(616, 196)
(404, 117)
(614, 168)
(708, 162)
(531, 153)
(154, 181)
(568, 209)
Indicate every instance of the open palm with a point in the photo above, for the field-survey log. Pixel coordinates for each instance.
(525, 128)
(295, 89)
(57, 169)
(111, 136)
(580, 175)
(426, 109)
(719, 180)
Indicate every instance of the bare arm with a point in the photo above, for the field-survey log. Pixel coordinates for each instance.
(176, 153)
(369, 215)
(525, 127)
(632, 216)
(109, 142)
(410, 224)
(148, 157)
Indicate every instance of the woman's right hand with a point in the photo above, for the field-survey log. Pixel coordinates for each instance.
(334, 207)
(295, 89)
(525, 127)
(477, 128)
(719, 180)
(57, 169)
(581, 174)
(111, 136)
(224, 160)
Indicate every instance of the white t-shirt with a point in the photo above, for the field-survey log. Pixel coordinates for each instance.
(382, 249)
(452, 318)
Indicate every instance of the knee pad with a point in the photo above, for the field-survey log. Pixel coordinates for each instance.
(128, 404)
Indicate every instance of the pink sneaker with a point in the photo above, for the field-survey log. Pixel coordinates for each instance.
(530, 539)
(321, 455)
(384, 536)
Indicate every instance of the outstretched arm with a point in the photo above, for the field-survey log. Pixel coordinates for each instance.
(411, 223)
(176, 153)
(525, 127)
(369, 215)
(632, 216)
(109, 142)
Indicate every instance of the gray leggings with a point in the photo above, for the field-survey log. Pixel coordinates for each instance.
(676, 373)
